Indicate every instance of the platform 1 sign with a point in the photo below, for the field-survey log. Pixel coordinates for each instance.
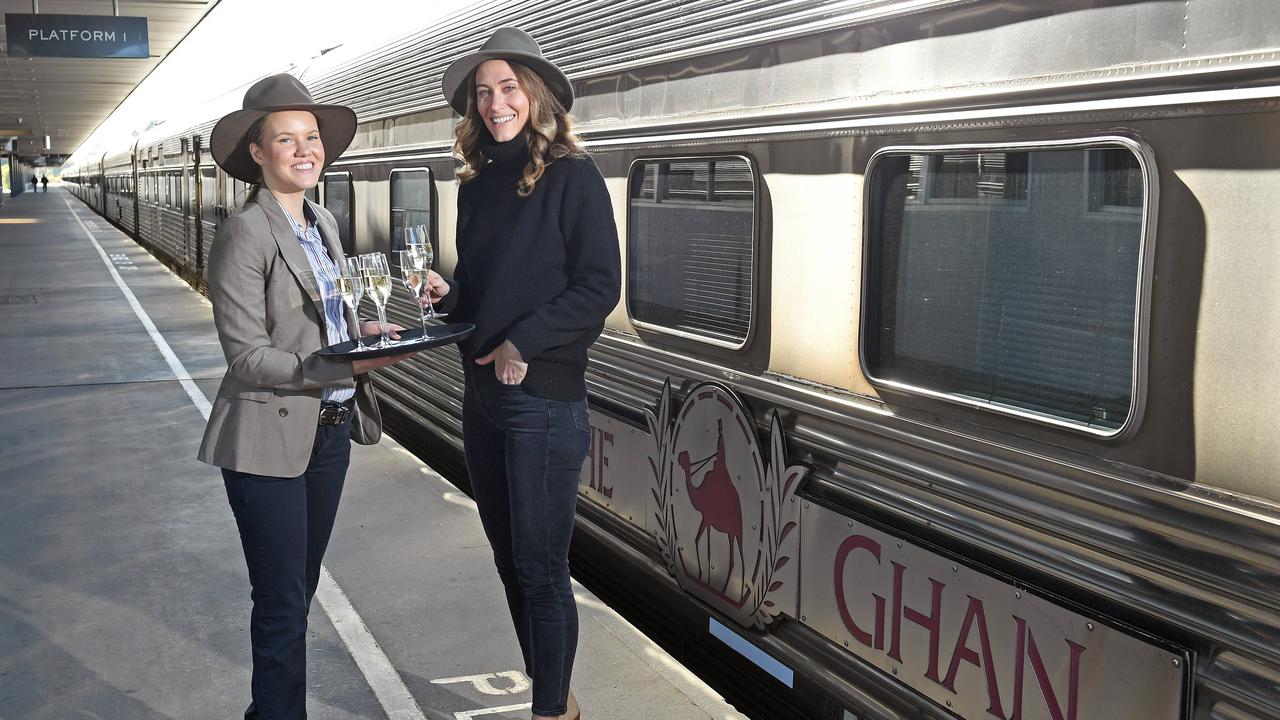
(83, 36)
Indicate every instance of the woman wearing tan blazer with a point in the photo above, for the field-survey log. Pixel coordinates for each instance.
(284, 417)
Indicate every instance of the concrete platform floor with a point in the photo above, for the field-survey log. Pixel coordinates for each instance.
(123, 591)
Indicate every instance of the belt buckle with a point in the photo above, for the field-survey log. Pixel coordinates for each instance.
(331, 415)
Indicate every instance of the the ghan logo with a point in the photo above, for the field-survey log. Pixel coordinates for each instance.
(723, 514)
(974, 644)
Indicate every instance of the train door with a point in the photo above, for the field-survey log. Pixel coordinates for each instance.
(100, 199)
(184, 204)
(133, 190)
(196, 205)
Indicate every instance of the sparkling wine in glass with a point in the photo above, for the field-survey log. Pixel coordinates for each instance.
(425, 258)
(414, 277)
(377, 283)
(353, 270)
(350, 288)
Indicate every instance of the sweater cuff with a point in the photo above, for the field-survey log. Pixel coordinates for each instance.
(531, 338)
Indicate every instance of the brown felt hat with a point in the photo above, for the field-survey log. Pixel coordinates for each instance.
(229, 141)
(505, 44)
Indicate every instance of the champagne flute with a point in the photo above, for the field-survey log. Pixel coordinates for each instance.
(377, 282)
(411, 237)
(352, 270)
(413, 276)
(350, 288)
(425, 258)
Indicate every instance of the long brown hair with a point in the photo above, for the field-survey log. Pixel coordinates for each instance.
(255, 132)
(548, 133)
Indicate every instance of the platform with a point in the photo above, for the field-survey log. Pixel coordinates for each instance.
(123, 590)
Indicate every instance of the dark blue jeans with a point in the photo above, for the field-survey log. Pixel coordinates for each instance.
(284, 529)
(524, 456)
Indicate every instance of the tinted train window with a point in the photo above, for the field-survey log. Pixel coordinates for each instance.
(691, 247)
(209, 194)
(410, 205)
(993, 280)
(337, 200)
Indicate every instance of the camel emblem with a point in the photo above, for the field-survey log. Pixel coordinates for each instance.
(717, 501)
(719, 505)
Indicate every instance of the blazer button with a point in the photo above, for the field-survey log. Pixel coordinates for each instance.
(284, 412)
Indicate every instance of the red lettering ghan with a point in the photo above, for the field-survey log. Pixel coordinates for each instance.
(974, 623)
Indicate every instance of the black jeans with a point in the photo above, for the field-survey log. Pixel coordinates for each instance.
(284, 528)
(524, 456)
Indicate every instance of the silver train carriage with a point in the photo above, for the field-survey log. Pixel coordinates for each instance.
(943, 382)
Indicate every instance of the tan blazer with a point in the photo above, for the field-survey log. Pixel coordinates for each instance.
(270, 320)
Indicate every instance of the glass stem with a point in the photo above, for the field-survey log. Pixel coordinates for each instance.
(382, 324)
(422, 316)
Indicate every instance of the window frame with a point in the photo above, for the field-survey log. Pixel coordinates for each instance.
(393, 258)
(754, 305)
(1142, 290)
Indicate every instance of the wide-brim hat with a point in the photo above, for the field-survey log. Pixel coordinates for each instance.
(229, 141)
(505, 44)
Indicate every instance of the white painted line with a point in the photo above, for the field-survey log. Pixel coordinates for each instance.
(197, 397)
(484, 682)
(387, 686)
(393, 696)
(466, 714)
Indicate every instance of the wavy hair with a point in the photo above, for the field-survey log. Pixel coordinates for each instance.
(255, 132)
(548, 134)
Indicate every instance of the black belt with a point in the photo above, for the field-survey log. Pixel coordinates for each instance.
(334, 413)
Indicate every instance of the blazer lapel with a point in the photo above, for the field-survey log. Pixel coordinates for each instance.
(290, 249)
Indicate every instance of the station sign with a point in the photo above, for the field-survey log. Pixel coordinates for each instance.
(82, 36)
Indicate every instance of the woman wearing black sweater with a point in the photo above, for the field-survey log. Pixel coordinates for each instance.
(538, 270)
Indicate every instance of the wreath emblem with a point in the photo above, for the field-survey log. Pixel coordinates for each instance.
(712, 491)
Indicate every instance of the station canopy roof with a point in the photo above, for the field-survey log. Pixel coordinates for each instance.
(66, 98)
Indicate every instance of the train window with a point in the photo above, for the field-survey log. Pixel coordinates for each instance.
(209, 194)
(410, 205)
(337, 200)
(967, 177)
(691, 247)
(1022, 298)
(1115, 182)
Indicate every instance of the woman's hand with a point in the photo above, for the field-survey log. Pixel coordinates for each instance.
(435, 289)
(370, 327)
(364, 365)
(508, 364)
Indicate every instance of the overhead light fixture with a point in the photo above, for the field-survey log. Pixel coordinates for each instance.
(47, 144)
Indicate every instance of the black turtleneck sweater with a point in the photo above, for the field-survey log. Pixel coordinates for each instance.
(541, 271)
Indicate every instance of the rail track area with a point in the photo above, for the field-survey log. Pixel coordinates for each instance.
(123, 592)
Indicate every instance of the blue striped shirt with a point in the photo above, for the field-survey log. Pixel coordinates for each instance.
(324, 270)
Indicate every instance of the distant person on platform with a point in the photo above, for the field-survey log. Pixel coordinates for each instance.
(33, 183)
(44, 183)
(284, 417)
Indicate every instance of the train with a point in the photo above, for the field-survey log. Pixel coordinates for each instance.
(943, 382)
